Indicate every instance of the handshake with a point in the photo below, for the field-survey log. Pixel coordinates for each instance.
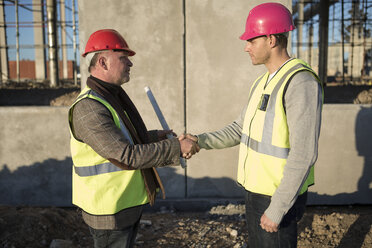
(188, 142)
(189, 146)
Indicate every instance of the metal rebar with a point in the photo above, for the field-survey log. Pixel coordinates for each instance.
(343, 41)
(365, 16)
(353, 33)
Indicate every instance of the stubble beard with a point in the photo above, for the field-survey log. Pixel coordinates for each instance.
(125, 78)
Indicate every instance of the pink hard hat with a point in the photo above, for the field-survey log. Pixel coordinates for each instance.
(106, 39)
(266, 19)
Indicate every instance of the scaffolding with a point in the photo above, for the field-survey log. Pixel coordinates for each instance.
(334, 37)
(47, 20)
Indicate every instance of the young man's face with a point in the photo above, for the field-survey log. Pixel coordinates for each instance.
(259, 49)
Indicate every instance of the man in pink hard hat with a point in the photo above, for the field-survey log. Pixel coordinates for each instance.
(277, 131)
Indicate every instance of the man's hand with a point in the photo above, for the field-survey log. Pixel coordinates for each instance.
(162, 134)
(188, 146)
(268, 225)
(192, 137)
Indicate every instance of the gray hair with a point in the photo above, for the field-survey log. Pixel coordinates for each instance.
(91, 59)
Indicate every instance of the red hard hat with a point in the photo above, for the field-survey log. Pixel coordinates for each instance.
(106, 39)
(266, 19)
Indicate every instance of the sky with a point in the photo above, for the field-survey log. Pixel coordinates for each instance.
(26, 32)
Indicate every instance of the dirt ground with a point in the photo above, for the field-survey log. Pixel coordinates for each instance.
(221, 226)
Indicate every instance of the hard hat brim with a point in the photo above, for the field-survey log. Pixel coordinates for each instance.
(245, 36)
(130, 51)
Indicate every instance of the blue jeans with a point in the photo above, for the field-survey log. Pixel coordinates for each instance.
(255, 206)
(124, 238)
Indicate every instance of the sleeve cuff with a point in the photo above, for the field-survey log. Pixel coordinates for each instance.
(176, 150)
(274, 214)
(153, 135)
(201, 140)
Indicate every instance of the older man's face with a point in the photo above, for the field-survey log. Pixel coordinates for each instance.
(119, 66)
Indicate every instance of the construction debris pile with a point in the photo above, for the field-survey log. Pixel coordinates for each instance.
(364, 97)
(221, 226)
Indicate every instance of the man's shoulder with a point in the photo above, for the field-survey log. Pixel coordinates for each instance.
(302, 83)
(304, 76)
(89, 105)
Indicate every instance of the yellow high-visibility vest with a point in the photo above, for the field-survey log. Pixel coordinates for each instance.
(264, 145)
(98, 186)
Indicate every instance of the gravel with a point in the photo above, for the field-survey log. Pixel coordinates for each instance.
(221, 226)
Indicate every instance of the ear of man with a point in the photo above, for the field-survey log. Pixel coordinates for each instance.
(102, 62)
(274, 42)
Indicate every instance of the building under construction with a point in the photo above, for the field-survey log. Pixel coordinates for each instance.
(53, 36)
(333, 36)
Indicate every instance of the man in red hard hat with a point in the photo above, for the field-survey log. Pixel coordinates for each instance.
(277, 131)
(114, 155)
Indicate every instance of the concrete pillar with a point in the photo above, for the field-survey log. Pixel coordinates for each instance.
(63, 39)
(323, 39)
(3, 47)
(39, 39)
(52, 42)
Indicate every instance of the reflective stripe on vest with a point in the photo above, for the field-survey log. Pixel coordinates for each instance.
(264, 148)
(261, 160)
(93, 170)
(100, 187)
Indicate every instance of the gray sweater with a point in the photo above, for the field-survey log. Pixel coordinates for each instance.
(303, 104)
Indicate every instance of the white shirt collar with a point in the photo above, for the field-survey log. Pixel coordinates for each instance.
(273, 74)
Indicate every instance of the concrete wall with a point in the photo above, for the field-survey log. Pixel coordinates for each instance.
(154, 29)
(190, 55)
(343, 173)
(219, 75)
(35, 163)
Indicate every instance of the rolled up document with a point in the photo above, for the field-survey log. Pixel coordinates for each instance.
(161, 118)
